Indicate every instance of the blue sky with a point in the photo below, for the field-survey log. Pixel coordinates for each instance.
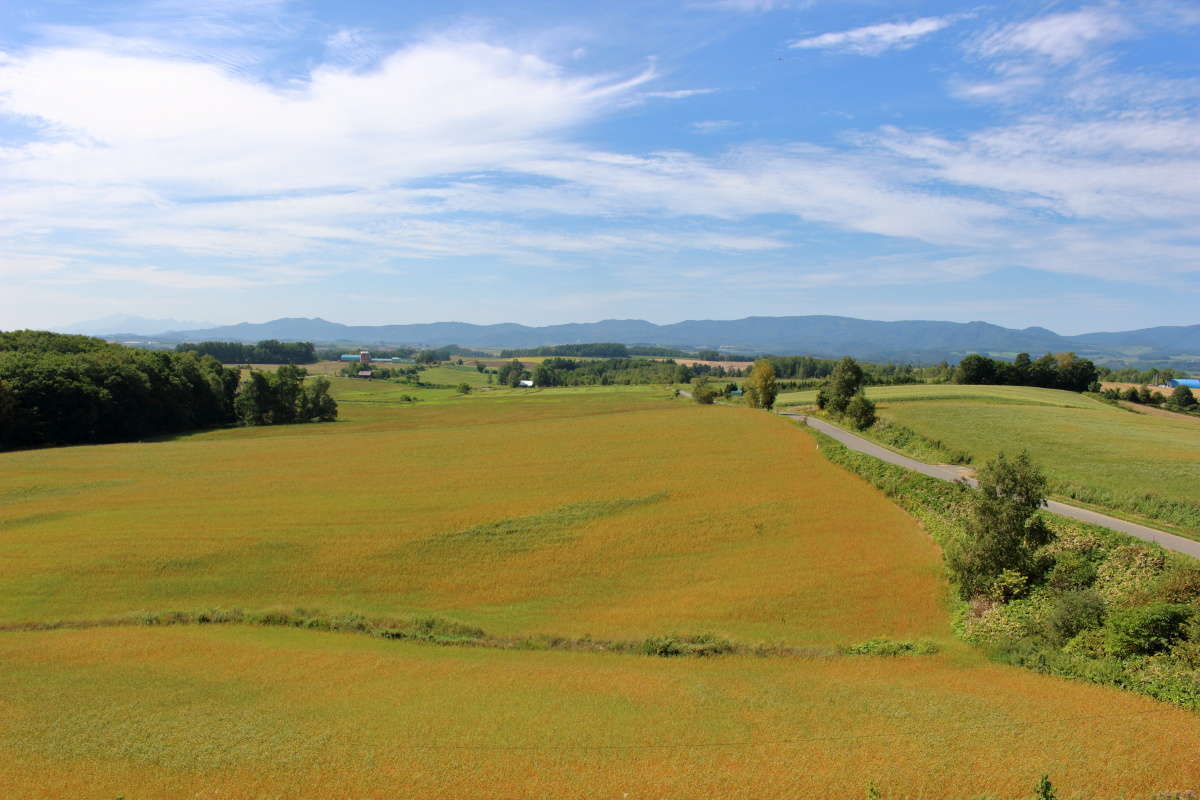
(1024, 163)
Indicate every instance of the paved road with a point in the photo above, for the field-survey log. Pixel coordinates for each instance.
(949, 473)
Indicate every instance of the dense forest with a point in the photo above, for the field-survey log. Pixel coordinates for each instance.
(60, 389)
(269, 351)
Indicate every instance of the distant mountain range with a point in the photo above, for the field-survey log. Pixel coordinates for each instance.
(132, 326)
(916, 341)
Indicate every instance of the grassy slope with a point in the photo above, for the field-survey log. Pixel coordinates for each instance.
(1075, 439)
(388, 511)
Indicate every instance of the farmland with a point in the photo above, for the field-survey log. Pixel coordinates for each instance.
(614, 513)
(1092, 451)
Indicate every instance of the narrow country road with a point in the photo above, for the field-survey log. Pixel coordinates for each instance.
(949, 473)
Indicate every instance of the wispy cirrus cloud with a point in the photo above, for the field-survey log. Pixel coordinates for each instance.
(1058, 38)
(873, 40)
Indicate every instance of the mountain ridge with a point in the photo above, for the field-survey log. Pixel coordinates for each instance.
(817, 335)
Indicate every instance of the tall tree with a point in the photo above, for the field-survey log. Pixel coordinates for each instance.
(1002, 530)
(844, 382)
(760, 386)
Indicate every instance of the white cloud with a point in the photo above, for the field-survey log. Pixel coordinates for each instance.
(192, 127)
(715, 125)
(748, 6)
(873, 40)
(678, 94)
(1058, 37)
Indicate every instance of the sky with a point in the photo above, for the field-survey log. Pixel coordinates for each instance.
(1022, 163)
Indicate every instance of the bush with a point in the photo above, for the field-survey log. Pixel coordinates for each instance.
(1182, 397)
(669, 646)
(1074, 613)
(704, 394)
(1072, 571)
(889, 647)
(860, 411)
(1147, 629)
(1179, 585)
(464, 388)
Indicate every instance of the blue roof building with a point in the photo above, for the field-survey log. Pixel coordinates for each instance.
(1191, 383)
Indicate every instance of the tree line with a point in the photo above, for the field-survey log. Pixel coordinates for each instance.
(558, 371)
(58, 389)
(1062, 371)
(268, 351)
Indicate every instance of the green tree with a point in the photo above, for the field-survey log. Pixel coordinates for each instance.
(255, 400)
(975, 369)
(464, 388)
(510, 374)
(1183, 397)
(760, 386)
(1002, 529)
(844, 382)
(1143, 630)
(286, 391)
(860, 411)
(316, 402)
(704, 394)
(543, 375)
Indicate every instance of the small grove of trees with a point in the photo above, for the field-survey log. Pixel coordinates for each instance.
(268, 351)
(283, 398)
(1062, 371)
(512, 373)
(996, 556)
(760, 387)
(1180, 399)
(842, 395)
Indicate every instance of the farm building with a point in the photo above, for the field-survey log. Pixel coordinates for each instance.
(1191, 383)
(525, 383)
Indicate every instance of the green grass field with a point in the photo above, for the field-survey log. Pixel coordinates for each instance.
(615, 513)
(1093, 451)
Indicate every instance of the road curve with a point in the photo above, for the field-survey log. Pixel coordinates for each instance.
(950, 473)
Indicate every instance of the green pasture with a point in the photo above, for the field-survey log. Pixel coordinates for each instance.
(1095, 453)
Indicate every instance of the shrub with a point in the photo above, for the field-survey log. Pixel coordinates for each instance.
(1073, 613)
(860, 411)
(669, 646)
(1179, 586)
(464, 388)
(1008, 585)
(1183, 397)
(1072, 570)
(1147, 629)
(704, 394)
(889, 647)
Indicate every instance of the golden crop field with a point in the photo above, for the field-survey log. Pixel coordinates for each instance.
(619, 514)
(613, 512)
(240, 712)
